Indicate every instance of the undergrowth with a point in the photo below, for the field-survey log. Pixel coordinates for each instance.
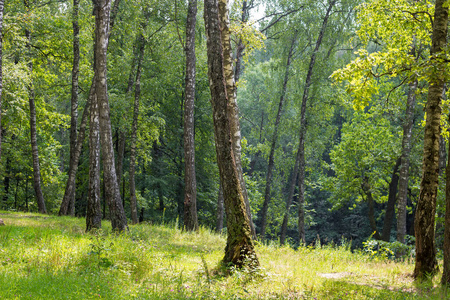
(47, 257)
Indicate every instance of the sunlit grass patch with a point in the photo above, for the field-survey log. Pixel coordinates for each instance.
(48, 257)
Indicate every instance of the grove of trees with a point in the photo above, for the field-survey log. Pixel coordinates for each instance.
(301, 122)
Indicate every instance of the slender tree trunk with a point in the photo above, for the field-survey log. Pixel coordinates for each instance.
(426, 263)
(303, 125)
(68, 202)
(120, 155)
(134, 128)
(190, 183)
(233, 109)
(93, 212)
(69, 195)
(2, 4)
(301, 187)
(240, 45)
(392, 198)
(290, 198)
(273, 143)
(112, 192)
(404, 168)
(33, 130)
(74, 92)
(365, 186)
(239, 250)
(220, 210)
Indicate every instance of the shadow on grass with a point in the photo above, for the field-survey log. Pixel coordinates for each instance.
(373, 289)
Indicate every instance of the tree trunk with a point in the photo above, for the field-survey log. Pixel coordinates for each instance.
(290, 198)
(190, 183)
(134, 128)
(301, 189)
(240, 45)
(233, 109)
(303, 125)
(426, 263)
(371, 203)
(273, 143)
(404, 168)
(74, 93)
(33, 130)
(93, 212)
(120, 155)
(68, 202)
(112, 192)
(239, 250)
(392, 198)
(220, 210)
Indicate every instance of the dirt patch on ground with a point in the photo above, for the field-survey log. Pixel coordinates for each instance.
(338, 275)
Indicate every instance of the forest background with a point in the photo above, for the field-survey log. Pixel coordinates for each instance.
(331, 99)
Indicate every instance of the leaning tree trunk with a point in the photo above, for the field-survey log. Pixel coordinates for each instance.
(2, 4)
(33, 130)
(426, 263)
(239, 250)
(134, 128)
(273, 143)
(232, 105)
(404, 168)
(68, 202)
(73, 161)
(112, 192)
(303, 128)
(190, 183)
(290, 198)
(390, 207)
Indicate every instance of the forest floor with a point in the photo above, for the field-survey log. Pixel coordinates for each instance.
(49, 257)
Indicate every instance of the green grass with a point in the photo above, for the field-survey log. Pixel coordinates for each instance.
(49, 257)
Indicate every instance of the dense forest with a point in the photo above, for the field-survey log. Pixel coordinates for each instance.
(300, 122)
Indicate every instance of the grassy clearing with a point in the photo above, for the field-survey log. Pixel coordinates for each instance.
(48, 257)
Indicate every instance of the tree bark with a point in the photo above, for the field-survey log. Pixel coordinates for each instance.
(93, 212)
(404, 168)
(190, 183)
(73, 160)
(74, 91)
(233, 109)
(290, 198)
(426, 263)
(303, 125)
(68, 202)
(240, 45)
(120, 155)
(134, 128)
(239, 250)
(371, 203)
(274, 139)
(33, 129)
(112, 192)
(390, 207)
